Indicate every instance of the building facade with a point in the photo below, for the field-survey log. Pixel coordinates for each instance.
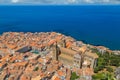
(74, 59)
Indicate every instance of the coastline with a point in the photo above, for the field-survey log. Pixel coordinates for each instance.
(71, 20)
(42, 51)
(69, 35)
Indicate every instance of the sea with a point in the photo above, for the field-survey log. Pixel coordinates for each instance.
(92, 24)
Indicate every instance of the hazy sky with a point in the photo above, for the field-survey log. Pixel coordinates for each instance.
(59, 1)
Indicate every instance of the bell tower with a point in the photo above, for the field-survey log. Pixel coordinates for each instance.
(56, 51)
(62, 43)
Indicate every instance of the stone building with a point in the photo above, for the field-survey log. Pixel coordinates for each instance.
(90, 59)
(78, 60)
(56, 51)
(66, 56)
(74, 59)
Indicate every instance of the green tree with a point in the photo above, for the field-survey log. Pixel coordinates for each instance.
(109, 69)
(74, 76)
(103, 76)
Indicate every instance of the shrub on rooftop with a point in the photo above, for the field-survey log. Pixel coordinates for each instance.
(36, 69)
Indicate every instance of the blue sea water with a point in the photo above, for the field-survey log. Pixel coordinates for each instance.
(94, 24)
